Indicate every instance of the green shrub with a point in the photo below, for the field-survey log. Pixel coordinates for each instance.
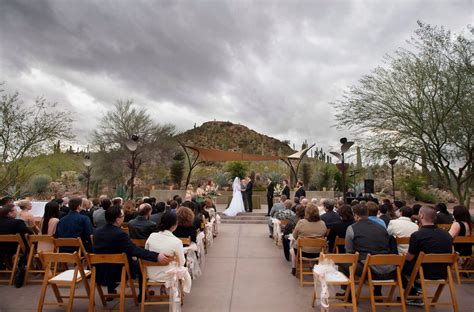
(237, 169)
(39, 184)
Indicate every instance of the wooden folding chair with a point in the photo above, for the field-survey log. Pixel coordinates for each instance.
(445, 227)
(67, 278)
(33, 255)
(283, 223)
(122, 259)
(373, 260)
(146, 283)
(402, 241)
(139, 242)
(21, 248)
(467, 262)
(304, 242)
(75, 243)
(186, 241)
(339, 241)
(449, 260)
(340, 279)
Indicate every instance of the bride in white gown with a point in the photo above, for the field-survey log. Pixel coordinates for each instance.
(237, 204)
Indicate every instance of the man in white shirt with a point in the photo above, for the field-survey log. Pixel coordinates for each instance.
(402, 227)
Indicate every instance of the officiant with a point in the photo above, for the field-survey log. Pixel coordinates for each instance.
(248, 195)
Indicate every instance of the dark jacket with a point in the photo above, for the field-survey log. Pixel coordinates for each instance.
(156, 217)
(12, 226)
(444, 218)
(88, 213)
(300, 192)
(286, 192)
(184, 232)
(385, 218)
(249, 189)
(270, 189)
(110, 239)
(330, 218)
(338, 229)
(141, 228)
(75, 225)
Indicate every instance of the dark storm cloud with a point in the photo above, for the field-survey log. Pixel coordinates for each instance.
(273, 66)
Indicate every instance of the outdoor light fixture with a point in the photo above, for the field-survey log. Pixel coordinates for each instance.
(392, 154)
(132, 145)
(87, 163)
(345, 146)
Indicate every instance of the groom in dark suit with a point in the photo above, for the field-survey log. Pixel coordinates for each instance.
(270, 191)
(248, 193)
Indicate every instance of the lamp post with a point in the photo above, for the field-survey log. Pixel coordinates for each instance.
(132, 145)
(392, 154)
(345, 146)
(87, 163)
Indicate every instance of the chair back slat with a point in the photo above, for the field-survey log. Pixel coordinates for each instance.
(68, 242)
(463, 240)
(445, 227)
(186, 241)
(108, 258)
(146, 263)
(402, 240)
(41, 238)
(340, 258)
(439, 258)
(139, 242)
(13, 238)
(314, 242)
(52, 257)
(386, 259)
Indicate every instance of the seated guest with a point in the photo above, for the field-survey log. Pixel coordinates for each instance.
(428, 239)
(99, 214)
(48, 224)
(209, 207)
(397, 204)
(461, 227)
(160, 209)
(275, 209)
(25, 215)
(296, 202)
(300, 211)
(330, 217)
(117, 201)
(75, 225)
(402, 227)
(178, 199)
(165, 242)
(129, 210)
(416, 210)
(339, 228)
(110, 239)
(186, 226)
(443, 216)
(373, 210)
(9, 224)
(199, 214)
(310, 226)
(287, 213)
(383, 209)
(339, 204)
(141, 227)
(63, 206)
(367, 237)
(87, 209)
(173, 205)
(95, 205)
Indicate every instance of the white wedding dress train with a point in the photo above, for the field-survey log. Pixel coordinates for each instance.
(237, 204)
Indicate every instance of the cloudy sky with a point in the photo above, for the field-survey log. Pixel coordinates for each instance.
(274, 66)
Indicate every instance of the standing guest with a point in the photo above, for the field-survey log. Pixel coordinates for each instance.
(129, 210)
(300, 192)
(189, 190)
(443, 216)
(110, 239)
(165, 242)
(25, 215)
(373, 210)
(428, 239)
(186, 226)
(286, 189)
(402, 227)
(75, 225)
(367, 237)
(49, 224)
(462, 226)
(310, 226)
(330, 217)
(383, 209)
(99, 215)
(87, 209)
(270, 193)
(141, 227)
(200, 193)
(275, 209)
(339, 228)
(160, 209)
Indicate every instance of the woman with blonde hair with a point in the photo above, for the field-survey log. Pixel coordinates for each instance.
(25, 206)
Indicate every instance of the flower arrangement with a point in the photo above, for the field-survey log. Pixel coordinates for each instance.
(277, 190)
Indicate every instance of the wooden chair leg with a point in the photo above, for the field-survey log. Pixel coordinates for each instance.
(424, 290)
(452, 291)
(122, 291)
(15, 266)
(28, 263)
(133, 290)
(390, 294)
(42, 294)
(92, 291)
(458, 275)
(438, 292)
(353, 292)
(400, 289)
(56, 292)
(144, 291)
(71, 295)
(101, 295)
(371, 291)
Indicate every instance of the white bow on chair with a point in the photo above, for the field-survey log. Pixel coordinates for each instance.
(174, 275)
(320, 271)
(276, 229)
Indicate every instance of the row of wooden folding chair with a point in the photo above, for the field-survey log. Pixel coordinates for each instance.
(20, 249)
(283, 224)
(307, 242)
(466, 263)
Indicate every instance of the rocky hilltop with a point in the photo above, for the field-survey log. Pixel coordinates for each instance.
(224, 135)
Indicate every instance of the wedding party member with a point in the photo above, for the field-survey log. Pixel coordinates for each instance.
(443, 216)
(165, 242)
(462, 226)
(300, 192)
(49, 224)
(185, 227)
(402, 227)
(270, 191)
(286, 189)
(25, 215)
(110, 239)
(141, 227)
(249, 193)
(75, 225)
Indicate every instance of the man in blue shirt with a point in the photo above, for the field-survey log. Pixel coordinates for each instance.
(373, 211)
(75, 225)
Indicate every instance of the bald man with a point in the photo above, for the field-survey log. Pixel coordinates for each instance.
(428, 239)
